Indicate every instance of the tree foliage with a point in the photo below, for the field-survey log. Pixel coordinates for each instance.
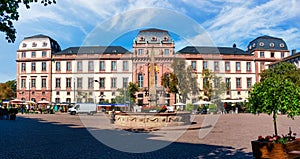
(127, 94)
(181, 80)
(213, 86)
(8, 90)
(9, 13)
(170, 82)
(278, 91)
(84, 97)
(284, 70)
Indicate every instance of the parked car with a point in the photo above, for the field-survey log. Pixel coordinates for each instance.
(88, 108)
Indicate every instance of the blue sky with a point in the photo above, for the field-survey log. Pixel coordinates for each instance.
(116, 22)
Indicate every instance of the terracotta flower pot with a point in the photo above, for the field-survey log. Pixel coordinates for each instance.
(262, 149)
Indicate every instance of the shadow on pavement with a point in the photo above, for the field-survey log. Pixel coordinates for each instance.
(34, 138)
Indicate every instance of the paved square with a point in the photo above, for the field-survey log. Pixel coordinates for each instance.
(64, 136)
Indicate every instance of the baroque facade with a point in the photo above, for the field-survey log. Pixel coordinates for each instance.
(94, 73)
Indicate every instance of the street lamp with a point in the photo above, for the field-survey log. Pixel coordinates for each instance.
(101, 95)
(74, 91)
(29, 91)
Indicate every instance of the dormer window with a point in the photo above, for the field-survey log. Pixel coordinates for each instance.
(253, 45)
(166, 38)
(24, 45)
(34, 44)
(281, 44)
(261, 44)
(44, 44)
(114, 51)
(153, 38)
(272, 45)
(142, 38)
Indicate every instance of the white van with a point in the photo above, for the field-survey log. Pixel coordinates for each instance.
(88, 108)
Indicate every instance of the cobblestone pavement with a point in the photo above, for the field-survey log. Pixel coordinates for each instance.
(62, 136)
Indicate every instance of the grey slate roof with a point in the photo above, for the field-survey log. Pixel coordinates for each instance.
(147, 35)
(256, 44)
(54, 44)
(211, 50)
(37, 36)
(94, 50)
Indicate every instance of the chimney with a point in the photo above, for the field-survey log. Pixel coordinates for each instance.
(293, 51)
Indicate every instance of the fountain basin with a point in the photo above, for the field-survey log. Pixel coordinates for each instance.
(151, 121)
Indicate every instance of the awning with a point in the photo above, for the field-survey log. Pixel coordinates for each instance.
(30, 102)
(43, 102)
(5, 101)
(111, 105)
(202, 102)
(16, 101)
(233, 100)
(179, 104)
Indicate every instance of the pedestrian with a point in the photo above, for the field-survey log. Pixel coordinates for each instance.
(5, 113)
(112, 117)
(22, 108)
(1, 113)
(13, 113)
(27, 108)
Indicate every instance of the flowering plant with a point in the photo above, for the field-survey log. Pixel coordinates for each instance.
(279, 139)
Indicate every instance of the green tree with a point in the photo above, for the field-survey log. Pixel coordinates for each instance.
(181, 81)
(276, 92)
(9, 13)
(170, 82)
(283, 70)
(127, 94)
(213, 87)
(132, 89)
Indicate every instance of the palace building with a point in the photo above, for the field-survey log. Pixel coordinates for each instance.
(94, 73)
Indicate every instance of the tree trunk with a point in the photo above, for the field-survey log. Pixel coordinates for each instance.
(175, 98)
(274, 121)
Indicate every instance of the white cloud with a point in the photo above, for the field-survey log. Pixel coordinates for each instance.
(225, 21)
(244, 22)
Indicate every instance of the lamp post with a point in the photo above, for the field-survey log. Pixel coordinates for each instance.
(29, 91)
(74, 91)
(101, 95)
(99, 84)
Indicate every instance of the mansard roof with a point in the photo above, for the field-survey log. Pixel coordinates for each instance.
(53, 43)
(212, 50)
(153, 35)
(94, 50)
(267, 43)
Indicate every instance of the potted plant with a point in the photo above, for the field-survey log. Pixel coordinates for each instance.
(277, 92)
